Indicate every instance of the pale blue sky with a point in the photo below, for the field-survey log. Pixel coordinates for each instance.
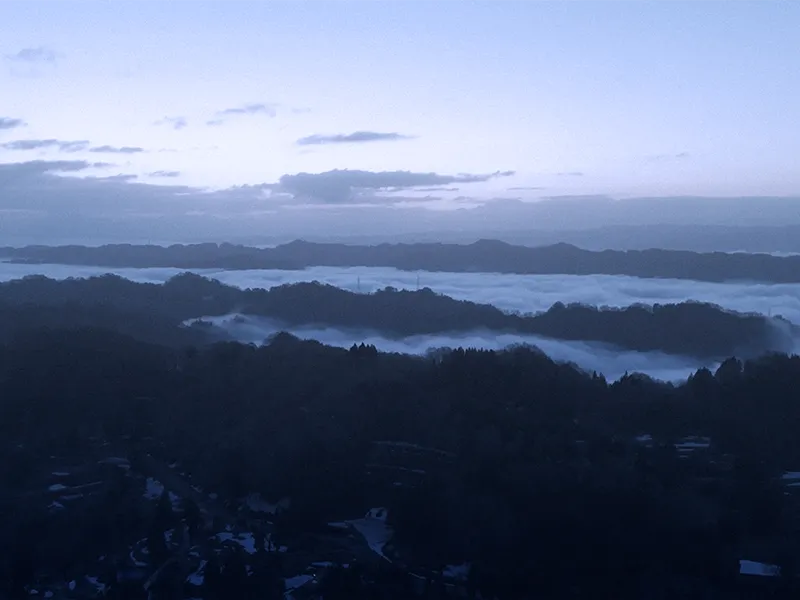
(640, 98)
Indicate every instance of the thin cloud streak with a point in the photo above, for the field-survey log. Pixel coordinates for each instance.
(121, 177)
(39, 54)
(250, 109)
(352, 138)
(36, 172)
(255, 108)
(176, 123)
(11, 123)
(60, 145)
(69, 146)
(660, 158)
(117, 150)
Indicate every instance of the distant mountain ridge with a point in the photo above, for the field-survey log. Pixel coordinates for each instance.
(480, 256)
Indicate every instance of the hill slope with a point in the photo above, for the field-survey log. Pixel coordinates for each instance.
(690, 328)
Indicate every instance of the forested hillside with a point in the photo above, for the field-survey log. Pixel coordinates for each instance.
(153, 312)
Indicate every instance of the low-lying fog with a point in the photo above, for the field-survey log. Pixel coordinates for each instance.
(611, 362)
(524, 293)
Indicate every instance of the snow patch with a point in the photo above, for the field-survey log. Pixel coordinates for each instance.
(100, 587)
(749, 567)
(292, 583)
(245, 540)
(154, 489)
(177, 501)
(374, 530)
(57, 487)
(693, 442)
(377, 513)
(198, 576)
(134, 560)
(458, 572)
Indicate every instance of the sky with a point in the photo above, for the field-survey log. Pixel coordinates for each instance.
(229, 116)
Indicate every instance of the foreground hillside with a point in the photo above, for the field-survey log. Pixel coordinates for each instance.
(482, 256)
(232, 471)
(153, 312)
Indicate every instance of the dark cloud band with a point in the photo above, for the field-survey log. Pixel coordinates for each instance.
(343, 186)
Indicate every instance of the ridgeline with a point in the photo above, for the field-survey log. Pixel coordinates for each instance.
(482, 256)
(154, 313)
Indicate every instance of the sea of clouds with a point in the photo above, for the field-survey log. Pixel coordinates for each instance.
(522, 293)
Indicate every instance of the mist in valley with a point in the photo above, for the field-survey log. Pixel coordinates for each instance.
(511, 293)
(591, 357)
